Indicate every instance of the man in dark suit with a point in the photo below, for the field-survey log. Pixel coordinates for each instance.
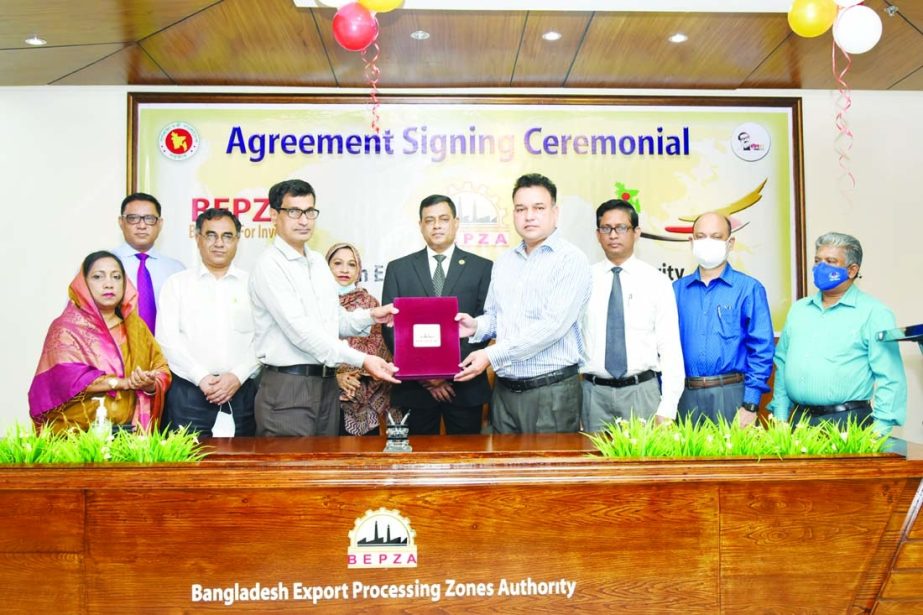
(441, 269)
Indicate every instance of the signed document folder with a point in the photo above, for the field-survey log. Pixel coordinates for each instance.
(426, 338)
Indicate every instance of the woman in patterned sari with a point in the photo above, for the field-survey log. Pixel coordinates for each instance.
(99, 348)
(363, 400)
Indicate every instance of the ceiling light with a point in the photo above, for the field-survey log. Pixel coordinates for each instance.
(419, 35)
(679, 37)
(35, 41)
(551, 35)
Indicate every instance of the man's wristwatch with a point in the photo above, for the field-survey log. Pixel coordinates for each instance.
(749, 406)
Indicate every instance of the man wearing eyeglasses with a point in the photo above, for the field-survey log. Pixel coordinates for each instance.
(205, 330)
(146, 266)
(631, 329)
(299, 321)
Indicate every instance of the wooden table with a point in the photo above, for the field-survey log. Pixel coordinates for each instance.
(500, 524)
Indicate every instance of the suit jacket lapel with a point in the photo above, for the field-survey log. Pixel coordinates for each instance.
(455, 271)
(421, 267)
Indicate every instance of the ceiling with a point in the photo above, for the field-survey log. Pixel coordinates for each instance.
(274, 43)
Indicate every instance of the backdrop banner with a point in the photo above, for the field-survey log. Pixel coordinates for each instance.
(672, 158)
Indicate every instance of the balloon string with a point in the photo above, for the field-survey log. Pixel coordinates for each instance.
(844, 138)
(372, 75)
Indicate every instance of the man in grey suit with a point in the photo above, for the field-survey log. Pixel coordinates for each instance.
(440, 269)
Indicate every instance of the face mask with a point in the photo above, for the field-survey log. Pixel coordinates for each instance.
(827, 276)
(345, 290)
(709, 252)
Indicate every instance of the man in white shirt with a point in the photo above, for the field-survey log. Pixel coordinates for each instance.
(299, 321)
(631, 330)
(145, 266)
(205, 330)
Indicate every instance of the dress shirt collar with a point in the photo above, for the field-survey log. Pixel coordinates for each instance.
(153, 253)
(430, 253)
(288, 251)
(202, 271)
(727, 276)
(848, 299)
(629, 265)
(553, 241)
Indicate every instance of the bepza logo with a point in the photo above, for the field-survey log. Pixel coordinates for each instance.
(750, 142)
(179, 141)
(382, 539)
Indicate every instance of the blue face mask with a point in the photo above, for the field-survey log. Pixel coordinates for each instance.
(827, 276)
(345, 290)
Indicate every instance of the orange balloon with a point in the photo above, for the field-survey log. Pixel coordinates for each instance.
(810, 18)
(382, 6)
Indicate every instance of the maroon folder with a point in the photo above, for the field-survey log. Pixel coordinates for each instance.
(426, 338)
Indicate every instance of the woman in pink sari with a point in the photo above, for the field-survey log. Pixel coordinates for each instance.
(363, 400)
(99, 348)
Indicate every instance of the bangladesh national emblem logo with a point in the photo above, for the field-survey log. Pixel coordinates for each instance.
(179, 141)
(382, 539)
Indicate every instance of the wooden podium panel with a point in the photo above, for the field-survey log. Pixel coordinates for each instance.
(500, 524)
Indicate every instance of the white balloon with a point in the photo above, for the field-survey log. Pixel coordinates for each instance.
(857, 29)
(847, 3)
(335, 3)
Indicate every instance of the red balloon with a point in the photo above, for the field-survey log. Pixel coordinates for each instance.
(354, 27)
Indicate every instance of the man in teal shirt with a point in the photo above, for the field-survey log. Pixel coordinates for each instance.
(829, 363)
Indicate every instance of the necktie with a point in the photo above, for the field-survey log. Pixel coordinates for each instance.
(616, 355)
(147, 308)
(438, 275)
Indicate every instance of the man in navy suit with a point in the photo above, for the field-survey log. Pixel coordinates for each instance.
(441, 269)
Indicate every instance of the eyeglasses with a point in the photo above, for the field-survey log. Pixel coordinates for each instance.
(211, 237)
(133, 219)
(620, 229)
(294, 213)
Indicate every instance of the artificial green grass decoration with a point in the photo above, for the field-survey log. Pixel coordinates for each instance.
(22, 445)
(636, 438)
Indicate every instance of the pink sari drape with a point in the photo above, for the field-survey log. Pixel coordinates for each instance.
(79, 348)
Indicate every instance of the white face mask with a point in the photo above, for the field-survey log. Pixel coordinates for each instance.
(709, 252)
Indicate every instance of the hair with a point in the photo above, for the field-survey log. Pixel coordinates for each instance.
(91, 259)
(140, 196)
(722, 216)
(216, 214)
(841, 240)
(436, 199)
(619, 205)
(290, 187)
(535, 179)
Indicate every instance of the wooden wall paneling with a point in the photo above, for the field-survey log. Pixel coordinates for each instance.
(910, 555)
(65, 22)
(41, 551)
(632, 50)
(40, 66)
(783, 544)
(270, 42)
(477, 534)
(131, 66)
(913, 81)
(42, 583)
(41, 521)
(547, 63)
(473, 48)
(806, 62)
(883, 559)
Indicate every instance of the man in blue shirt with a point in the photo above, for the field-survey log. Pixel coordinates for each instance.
(537, 294)
(725, 329)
